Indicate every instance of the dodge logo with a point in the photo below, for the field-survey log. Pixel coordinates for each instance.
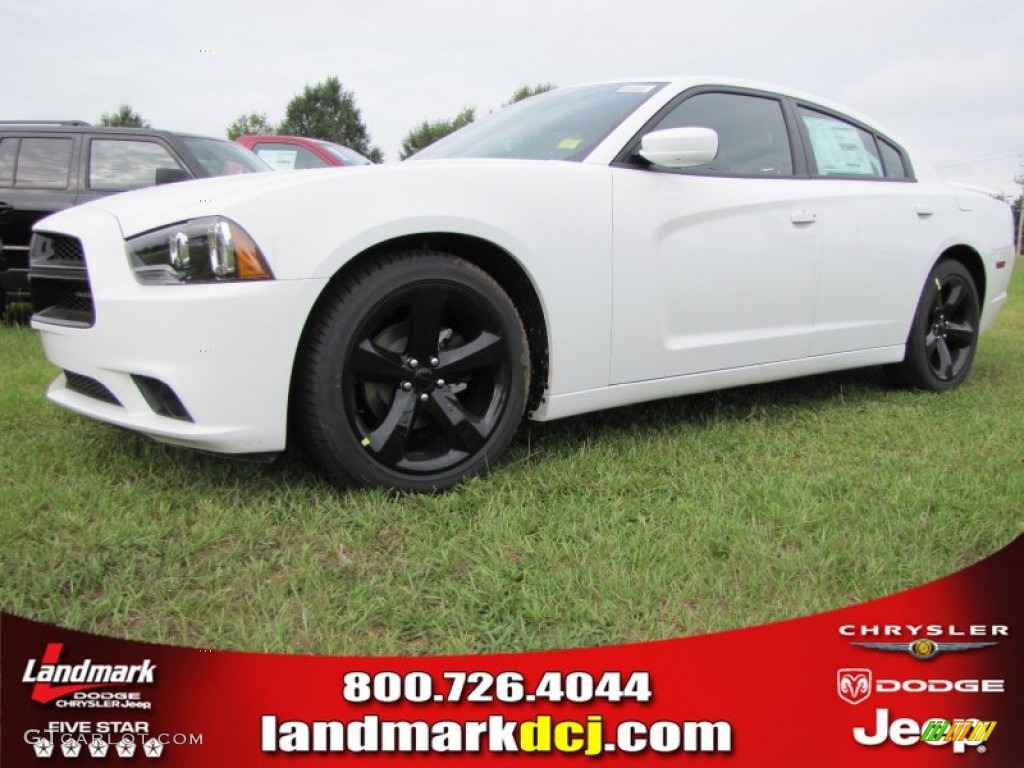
(853, 685)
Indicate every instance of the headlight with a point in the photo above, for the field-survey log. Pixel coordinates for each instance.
(206, 250)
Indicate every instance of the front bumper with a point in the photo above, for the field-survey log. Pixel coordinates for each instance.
(226, 351)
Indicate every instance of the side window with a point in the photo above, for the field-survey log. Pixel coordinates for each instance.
(8, 152)
(892, 160)
(287, 157)
(752, 135)
(116, 164)
(841, 148)
(44, 163)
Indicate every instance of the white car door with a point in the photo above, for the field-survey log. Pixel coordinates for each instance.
(715, 267)
(880, 231)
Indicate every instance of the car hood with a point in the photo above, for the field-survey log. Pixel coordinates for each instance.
(146, 209)
(154, 207)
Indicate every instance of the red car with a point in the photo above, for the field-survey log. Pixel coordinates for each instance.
(289, 153)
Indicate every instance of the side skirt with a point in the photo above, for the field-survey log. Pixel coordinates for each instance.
(573, 403)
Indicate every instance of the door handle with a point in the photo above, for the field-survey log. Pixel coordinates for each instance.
(924, 211)
(803, 217)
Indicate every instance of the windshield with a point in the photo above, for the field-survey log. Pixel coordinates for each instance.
(344, 154)
(223, 158)
(559, 125)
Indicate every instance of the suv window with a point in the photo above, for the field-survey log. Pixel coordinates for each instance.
(841, 148)
(124, 164)
(44, 163)
(752, 135)
(286, 157)
(8, 152)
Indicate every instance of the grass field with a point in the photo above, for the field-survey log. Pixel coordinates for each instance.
(660, 520)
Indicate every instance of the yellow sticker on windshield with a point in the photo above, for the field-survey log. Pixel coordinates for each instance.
(570, 143)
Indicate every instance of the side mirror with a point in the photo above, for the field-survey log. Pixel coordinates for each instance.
(171, 175)
(680, 147)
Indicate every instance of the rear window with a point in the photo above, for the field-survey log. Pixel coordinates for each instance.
(893, 161)
(44, 163)
(841, 148)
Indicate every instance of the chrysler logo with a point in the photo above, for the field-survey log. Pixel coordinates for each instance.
(923, 648)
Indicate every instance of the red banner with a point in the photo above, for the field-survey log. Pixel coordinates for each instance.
(929, 677)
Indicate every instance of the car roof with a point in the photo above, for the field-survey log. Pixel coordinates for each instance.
(281, 137)
(80, 126)
(683, 82)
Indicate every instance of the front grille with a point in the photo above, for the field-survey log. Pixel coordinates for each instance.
(85, 385)
(57, 248)
(59, 280)
(65, 300)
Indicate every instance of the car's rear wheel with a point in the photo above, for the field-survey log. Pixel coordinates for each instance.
(413, 374)
(944, 335)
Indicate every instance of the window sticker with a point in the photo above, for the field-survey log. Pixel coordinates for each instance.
(636, 89)
(570, 143)
(279, 159)
(838, 148)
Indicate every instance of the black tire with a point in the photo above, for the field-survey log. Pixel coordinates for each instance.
(944, 335)
(413, 374)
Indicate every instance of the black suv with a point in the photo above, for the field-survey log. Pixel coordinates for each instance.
(48, 166)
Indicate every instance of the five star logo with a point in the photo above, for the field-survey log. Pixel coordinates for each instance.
(153, 748)
(98, 747)
(43, 748)
(71, 748)
(125, 748)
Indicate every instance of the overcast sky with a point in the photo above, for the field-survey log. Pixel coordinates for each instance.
(944, 76)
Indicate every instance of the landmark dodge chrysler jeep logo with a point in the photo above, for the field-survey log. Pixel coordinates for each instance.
(79, 677)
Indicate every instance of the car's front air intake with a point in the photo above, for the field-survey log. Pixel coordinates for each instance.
(88, 386)
(161, 398)
(59, 281)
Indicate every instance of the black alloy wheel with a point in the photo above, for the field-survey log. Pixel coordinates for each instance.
(414, 374)
(944, 336)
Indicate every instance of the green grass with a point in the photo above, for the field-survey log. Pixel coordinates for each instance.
(666, 519)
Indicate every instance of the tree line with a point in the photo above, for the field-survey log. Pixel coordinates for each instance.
(327, 111)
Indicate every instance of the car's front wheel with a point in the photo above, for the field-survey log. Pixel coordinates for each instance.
(944, 335)
(413, 374)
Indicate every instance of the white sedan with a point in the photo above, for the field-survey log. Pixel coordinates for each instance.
(587, 248)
